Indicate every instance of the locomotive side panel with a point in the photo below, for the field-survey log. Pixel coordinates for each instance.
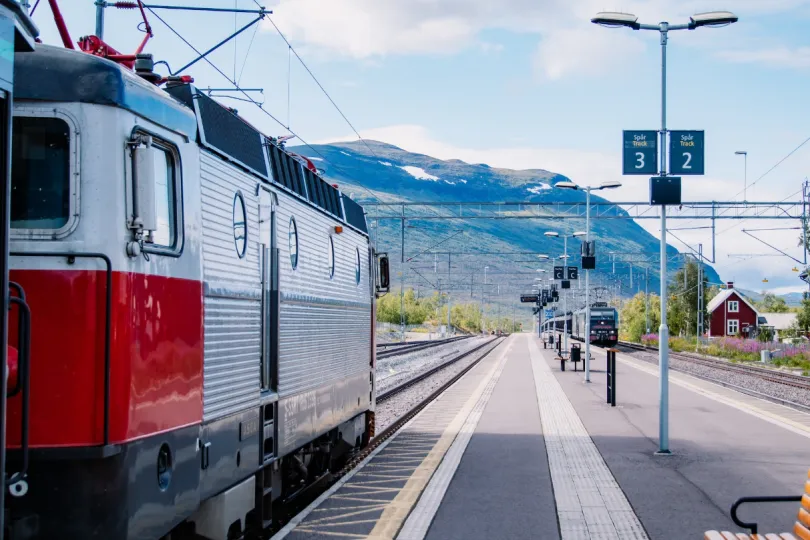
(325, 324)
(233, 290)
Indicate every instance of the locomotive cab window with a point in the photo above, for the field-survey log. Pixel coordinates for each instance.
(41, 174)
(155, 193)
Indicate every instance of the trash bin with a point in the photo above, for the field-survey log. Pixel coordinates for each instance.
(575, 351)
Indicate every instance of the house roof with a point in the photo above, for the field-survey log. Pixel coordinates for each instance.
(780, 321)
(718, 300)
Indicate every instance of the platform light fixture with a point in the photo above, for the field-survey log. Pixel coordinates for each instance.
(608, 184)
(708, 19)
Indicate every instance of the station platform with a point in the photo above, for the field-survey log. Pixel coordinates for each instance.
(519, 449)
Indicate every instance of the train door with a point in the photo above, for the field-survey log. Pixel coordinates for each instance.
(17, 34)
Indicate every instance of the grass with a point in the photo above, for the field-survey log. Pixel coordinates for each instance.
(740, 350)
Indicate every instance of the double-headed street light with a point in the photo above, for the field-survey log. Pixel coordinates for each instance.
(604, 185)
(564, 257)
(615, 20)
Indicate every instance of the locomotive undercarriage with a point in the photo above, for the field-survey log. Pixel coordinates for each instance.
(281, 488)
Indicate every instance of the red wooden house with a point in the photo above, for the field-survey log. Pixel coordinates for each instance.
(731, 314)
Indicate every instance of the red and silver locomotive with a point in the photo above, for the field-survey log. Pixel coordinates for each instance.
(201, 335)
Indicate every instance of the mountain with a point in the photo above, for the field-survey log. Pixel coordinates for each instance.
(793, 299)
(398, 176)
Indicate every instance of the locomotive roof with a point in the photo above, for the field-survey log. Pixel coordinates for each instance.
(58, 74)
(63, 75)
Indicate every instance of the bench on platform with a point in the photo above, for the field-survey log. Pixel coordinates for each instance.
(801, 529)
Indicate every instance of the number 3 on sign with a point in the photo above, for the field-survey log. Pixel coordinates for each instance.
(686, 164)
(640, 160)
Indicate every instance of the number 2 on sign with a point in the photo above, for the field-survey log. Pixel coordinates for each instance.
(640, 158)
(686, 164)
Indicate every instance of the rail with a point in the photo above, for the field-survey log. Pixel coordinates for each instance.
(798, 381)
(388, 394)
(409, 348)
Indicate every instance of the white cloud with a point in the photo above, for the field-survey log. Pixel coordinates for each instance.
(568, 43)
(773, 57)
(584, 50)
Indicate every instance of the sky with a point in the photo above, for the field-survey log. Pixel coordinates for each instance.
(523, 84)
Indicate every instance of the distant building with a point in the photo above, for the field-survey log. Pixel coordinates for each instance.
(731, 314)
(778, 322)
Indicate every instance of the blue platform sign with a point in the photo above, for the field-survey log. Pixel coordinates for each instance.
(686, 152)
(549, 313)
(639, 152)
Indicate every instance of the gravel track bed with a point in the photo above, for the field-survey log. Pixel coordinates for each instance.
(749, 382)
(395, 370)
(393, 408)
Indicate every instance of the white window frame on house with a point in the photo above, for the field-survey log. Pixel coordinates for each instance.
(733, 306)
(736, 324)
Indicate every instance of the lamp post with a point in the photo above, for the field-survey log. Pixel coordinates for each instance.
(483, 323)
(540, 315)
(564, 257)
(744, 154)
(616, 20)
(603, 185)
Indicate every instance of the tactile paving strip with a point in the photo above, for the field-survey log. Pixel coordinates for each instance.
(590, 503)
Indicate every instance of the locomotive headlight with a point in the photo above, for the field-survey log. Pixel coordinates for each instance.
(164, 467)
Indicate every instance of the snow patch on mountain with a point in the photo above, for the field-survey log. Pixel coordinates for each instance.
(419, 173)
(463, 181)
(345, 153)
(539, 188)
(449, 182)
(386, 163)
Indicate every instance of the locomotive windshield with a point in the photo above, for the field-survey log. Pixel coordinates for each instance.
(602, 316)
(40, 174)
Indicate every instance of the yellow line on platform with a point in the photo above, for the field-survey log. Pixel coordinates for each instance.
(397, 510)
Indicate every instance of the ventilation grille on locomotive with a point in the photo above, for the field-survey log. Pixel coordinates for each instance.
(291, 173)
(354, 214)
(223, 131)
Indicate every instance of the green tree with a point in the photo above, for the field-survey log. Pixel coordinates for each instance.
(633, 319)
(803, 317)
(771, 303)
(682, 308)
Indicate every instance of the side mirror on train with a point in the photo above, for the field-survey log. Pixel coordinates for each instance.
(384, 281)
(144, 198)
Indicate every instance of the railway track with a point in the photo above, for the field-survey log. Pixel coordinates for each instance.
(789, 379)
(405, 348)
(480, 352)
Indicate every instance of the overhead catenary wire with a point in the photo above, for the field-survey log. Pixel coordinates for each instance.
(314, 78)
(256, 103)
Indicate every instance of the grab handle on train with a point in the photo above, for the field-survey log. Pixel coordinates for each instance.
(23, 379)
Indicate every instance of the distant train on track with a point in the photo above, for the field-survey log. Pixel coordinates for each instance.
(604, 325)
(200, 344)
